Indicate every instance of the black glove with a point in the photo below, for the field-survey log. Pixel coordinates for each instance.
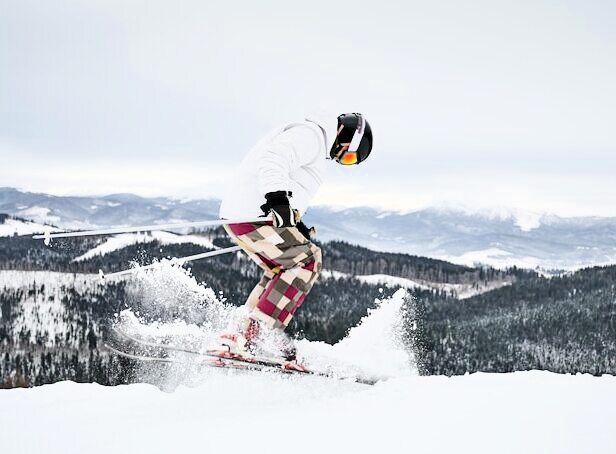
(308, 232)
(278, 205)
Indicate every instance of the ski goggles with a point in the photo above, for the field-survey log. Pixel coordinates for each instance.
(351, 129)
(348, 158)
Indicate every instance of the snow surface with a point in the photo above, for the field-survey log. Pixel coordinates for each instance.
(522, 412)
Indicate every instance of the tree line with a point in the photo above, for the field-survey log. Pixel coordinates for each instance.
(565, 323)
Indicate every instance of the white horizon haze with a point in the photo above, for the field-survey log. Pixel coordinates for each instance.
(479, 104)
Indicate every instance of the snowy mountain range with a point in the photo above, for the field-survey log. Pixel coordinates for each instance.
(498, 238)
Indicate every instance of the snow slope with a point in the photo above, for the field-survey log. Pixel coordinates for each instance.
(12, 227)
(522, 412)
(461, 291)
(121, 241)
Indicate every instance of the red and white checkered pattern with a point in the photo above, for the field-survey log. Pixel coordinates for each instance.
(291, 265)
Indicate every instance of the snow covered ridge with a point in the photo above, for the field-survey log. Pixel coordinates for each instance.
(461, 291)
(497, 237)
(88, 212)
(117, 242)
(10, 227)
(522, 412)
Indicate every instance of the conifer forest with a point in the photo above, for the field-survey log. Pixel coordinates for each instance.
(55, 316)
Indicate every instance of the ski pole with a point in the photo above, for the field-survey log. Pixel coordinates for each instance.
(178, 260)
(143, 228)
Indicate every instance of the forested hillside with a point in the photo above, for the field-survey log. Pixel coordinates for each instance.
(361, 261)
(563, 324)
(55, 314)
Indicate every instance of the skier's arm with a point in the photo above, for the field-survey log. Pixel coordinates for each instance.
(292, 149)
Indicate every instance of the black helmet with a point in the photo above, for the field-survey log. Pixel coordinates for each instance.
(353, 140)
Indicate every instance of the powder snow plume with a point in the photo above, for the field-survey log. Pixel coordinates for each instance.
(374, 348)
(173, 305)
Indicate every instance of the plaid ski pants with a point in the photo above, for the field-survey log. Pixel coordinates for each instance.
(291, 264)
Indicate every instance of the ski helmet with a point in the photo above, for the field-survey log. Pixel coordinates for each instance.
(353, 140)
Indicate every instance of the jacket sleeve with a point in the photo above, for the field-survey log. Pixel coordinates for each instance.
(294, 148)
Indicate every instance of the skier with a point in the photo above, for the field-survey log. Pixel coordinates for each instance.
(278, 178)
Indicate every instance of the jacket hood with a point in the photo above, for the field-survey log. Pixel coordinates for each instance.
(328, 122)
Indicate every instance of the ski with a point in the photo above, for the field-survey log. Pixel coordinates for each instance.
(209, 361)
(135, 349)
(159, 352)
(153, 352)
(222, 353)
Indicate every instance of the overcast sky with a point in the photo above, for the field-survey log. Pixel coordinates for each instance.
(480, 103)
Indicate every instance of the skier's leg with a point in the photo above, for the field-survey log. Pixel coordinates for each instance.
(286, 292)
(294, 261)
(237, 230)
(256, 293)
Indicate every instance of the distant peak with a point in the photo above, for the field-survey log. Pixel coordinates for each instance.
(123, 196)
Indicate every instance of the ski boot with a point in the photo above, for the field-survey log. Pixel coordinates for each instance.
(287, 349)
(252, 344)
(243, 343)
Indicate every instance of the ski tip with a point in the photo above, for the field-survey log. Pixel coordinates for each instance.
(292, 366)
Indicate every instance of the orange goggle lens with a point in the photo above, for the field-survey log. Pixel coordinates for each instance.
(348, 158)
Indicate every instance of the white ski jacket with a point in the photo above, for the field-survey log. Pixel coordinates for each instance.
(289, 158)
